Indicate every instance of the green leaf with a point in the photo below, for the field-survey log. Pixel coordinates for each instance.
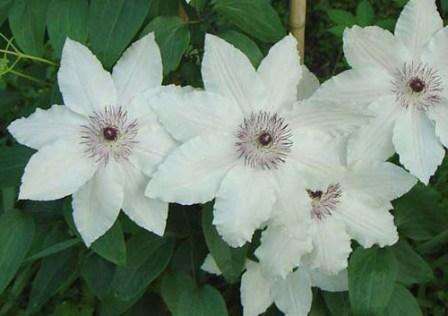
(204, 301)
(365, 13)
(229, 260)
(173, 285)
(16, 237)
(337, 302)
(5, 5)
(111, 245)
(72, 309)
(254, 17)
(112, 26)
(444, 5)
(412, 268)
(388, 24)
(173, 38)
(12, 163)
(58, 247)
(163, 8)
(371, 276)
(27, 20)
(402, 303)
(67, 18)
(245, 44)
(55, 273)
(337, 30)
(341, 17)
(98, 274)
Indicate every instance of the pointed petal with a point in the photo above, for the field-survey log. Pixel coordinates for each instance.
(55, 171)
(329, 282)
(418, 21)
(255, 290)
(193, 172)
(84, 84)
(373, 47)
(244, 201)
(368, 224)
(228, 72)
(373, 141)
(139, 69)
(281, 72)
(416, 142)
(186, 113)
(209, 265)
(97, 204)
(307, 85)
(435, 52)
(44, 127)
(439, 115)
(293, 295)
(145, 212)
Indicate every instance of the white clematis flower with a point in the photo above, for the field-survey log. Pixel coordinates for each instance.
(402, 78)
(331, 207)
(292, 295)
(99, 145)
(241, 141)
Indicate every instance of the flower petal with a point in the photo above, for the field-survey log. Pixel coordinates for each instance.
(416, 142)
(418, 21)
(84, 84)
(148, 213)
(97, 204)
(373, 141)
(439, 115)
(193, 172)
(139, 69)
(228, 72)
(373, 47)
(307, 85)
(243, 203)
(255, 290)
(329, 282)
(186, 113)
(44, 127)
(331, 245)
(56, 170)
(435, 52)
(368, 224)
(293, 295)
(281, 72)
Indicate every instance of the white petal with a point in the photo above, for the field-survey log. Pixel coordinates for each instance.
(373, 47)
(418, 21)
(148, 213)
(139, 69)
(44, 127)
(307, 85)
(244, 201)
(97, 204)
(382, 181)
(439, 115)
(328, 282)
(193, 172)
(282, 247)
(331, 245)
(435, 52)
(281, 72)
(368, 224)
(373, 141)
(227, 71)
(209, 265)
(359, 86)
(293, 295)
(84, 84)
(186, 113)
(56, 170)
(416, 142)
(255, 290)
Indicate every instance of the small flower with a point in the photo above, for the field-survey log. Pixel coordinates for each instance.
(103, 144)
(244, 136)
(401, 79)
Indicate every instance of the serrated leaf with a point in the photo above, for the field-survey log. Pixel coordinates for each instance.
(27, 20)
(254, 17)
(67, 18)
(365, 13)
(111, 245)
(112, 25)
(371, 276)
(402, 303)
(245, 44)
(12, 163)
(16, 237)
(341, 17)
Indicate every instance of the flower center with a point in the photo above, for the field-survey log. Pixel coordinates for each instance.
(418, 85)
(323, 204)
(263, 140)
(109, 134)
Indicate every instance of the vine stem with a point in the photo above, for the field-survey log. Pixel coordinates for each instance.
(19, 74)
(297, 19)
(35, 58)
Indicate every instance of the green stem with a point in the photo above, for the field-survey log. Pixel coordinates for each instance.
(35, 58)
(19, 74)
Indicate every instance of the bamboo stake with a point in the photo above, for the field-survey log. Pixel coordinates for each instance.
(297, 20)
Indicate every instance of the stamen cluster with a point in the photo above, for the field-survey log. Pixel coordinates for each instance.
(323, 204)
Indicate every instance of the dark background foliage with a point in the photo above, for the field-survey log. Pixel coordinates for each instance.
(44, 267)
